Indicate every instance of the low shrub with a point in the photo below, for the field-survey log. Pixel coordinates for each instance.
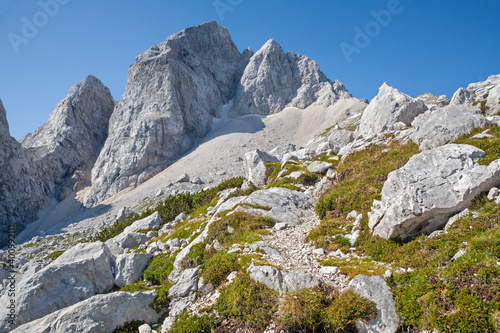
(189, 323)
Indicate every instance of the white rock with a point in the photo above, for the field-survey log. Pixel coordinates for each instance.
(436, 128)
(459, 254)
(296, 174)
(376, 290)
(184, 178)
(180, 218)
(153, 221)
(255, 167)
(197, 180)
(435, 184)
(130, 267)
(339, 139)
(319, 167)
(187, 284)
(280, 226)
(328, 270)
(331, 173)
(283, 282)
(115, 309)
(389, 107)
(493, 193)
(461, 97)
(319, 252)
(152, 248)
(145, 328)
(79, 273)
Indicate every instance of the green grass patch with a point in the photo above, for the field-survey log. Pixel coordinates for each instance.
(189, 323)
(246, 228)
(251, 302)
(353, 267)
(219, 266)
(361, 177)
(54, 255)
(324, 310)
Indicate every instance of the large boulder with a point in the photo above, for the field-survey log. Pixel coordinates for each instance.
(130, 267)
(340, 138)
(282, 282)
(273, 80)
(281, 204)
(255, 167)
(389, 107)
(436, 128)
(152, 221)
(435, 184)
(98, 314)
(81, 272)
(488, 91)
(376, 290)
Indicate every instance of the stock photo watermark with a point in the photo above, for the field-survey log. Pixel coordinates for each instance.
(11, 286)
(224, 6)
(30, 26)
(363, 36)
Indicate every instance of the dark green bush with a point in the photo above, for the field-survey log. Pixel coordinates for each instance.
(187, 323)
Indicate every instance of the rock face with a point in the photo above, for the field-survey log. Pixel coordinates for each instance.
(435, 184)
(99, 314)
(174, 90)
(81, 272)
(488, 90)
(435, 128)
(23, 192)
(274, 80)
(130, 267)
(67, 145)
(376, 290)
(389, 107)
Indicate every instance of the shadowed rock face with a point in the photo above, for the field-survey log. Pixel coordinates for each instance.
(56, 158)
(67, 145)
(22, 191)
(176, 89)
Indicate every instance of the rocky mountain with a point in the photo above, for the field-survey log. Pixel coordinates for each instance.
(320, 212)
(23, 192)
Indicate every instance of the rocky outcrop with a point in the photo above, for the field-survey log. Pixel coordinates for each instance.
(274, 80)
(376, 290)
(81, 272)
(488, 91)
(435, 184)
(23, 192)
(174, 91)
(339, 138)
(98, 314)
(282, 282)
(67, 145)
(389, 107)
(461, 96)
(436, 128)
(281, 204)
(256, 169)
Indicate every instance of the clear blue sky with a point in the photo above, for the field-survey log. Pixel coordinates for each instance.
(428, 45)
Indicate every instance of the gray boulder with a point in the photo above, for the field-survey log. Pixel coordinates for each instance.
(284, 205)
(443, 101)
(130, 267)
(488, 90)
(319, 167)
(255, 167)
(186, 285)
(81, 272)
(282, 282)
(153, 221)
(98, 314)
(435, 184)
(390, 106)
(126, 240)
(461, 97)
(376, 290)
(339, 139)
(436, 128)
(273, 80)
